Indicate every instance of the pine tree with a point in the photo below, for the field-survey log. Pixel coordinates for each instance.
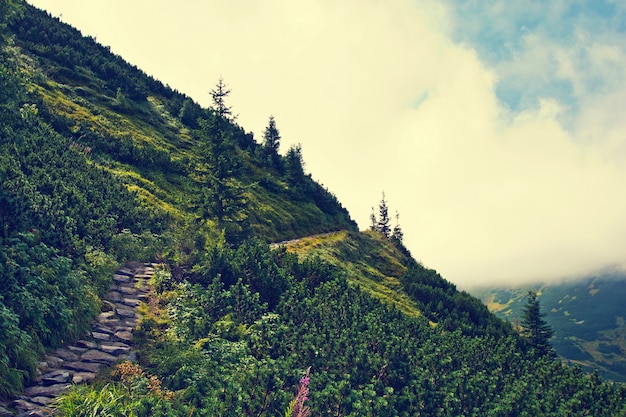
(219, 94)
(534, 328)
(397, 233)
(271, 143)
(271, 136)
(373, 221)
(383, 217)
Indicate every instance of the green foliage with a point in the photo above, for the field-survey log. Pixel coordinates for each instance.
(133, 393)
(234, 322)
(534, 328)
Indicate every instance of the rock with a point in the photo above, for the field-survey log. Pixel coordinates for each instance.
(115, 350)
(77, 349)
(5, 413)
(101, 328)
(100, 336)
(82, 366)
(131, 302)
(41, 400)
(124, 271)
(124, 311)
(23, 405)
(49, 391)
(97, 356)
(126, 289)
(87, 344)
(66, 355)
(80, 377)
(55, 377)
(124, 336)
(121, 278)
(110, 322)
(53, 361)
(114, 296)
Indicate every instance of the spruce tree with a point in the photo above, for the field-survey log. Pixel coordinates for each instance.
(534, 328)
(219, 94)
(397, 233)
(271, 136)
(373, 221)
(271, 143)
(383, 217)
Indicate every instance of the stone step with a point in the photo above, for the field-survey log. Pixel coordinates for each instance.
(131, 302)
(121, 278)
(124, 271)
(49, 391)
(81, 377)
(109, 341)
(115, 350)
(98, 356)
(79, 366)
(55, 377)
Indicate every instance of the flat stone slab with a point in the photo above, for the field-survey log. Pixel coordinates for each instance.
(80, 377)
(126, 289)
(114, 296)
(115, 350)
(106, 315)
(55, 377)
(66, 355)
(23, 404)
(131, 302)
(82, 366)
(125, 336)
(87, 344)
(41, 400)
(97, 356)
(77, 349)
(121, 278)
(49, 391)
(103, 337)
(124, 271)
(124, 311)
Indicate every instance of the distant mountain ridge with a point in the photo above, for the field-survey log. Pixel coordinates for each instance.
(587, 315)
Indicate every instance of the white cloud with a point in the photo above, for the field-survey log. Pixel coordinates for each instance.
(382, 99)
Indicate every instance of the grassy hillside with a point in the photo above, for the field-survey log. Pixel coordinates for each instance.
(156, 139)
(587, 317)
(101, 164)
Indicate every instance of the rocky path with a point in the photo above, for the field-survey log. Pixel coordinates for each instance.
(109, 341)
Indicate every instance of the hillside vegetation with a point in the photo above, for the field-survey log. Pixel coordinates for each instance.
(101, 164)
(587, 317)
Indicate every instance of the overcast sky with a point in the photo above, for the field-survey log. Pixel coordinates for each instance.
(496, 128)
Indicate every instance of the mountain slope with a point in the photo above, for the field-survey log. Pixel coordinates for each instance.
(101, 164)
(587, 317)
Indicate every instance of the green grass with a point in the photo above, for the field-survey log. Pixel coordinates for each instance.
(369, 259)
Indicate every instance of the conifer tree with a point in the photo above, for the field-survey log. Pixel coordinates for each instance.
(373, 221)
(271, 143)
(271, 136)
(219, 94)
(383, 217)
(397, 233)
(534, 328)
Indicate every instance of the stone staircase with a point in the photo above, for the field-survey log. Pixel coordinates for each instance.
(109, 341)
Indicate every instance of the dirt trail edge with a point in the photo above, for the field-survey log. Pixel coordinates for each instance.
(109, 341)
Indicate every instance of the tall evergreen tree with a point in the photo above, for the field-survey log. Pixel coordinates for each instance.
(271, 143)
(219, 94)
(534, 328)
(383, 217)
(397, 233)
(373, 221)
(271, 136)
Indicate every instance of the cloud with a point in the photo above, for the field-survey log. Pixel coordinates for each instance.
(401, 97)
